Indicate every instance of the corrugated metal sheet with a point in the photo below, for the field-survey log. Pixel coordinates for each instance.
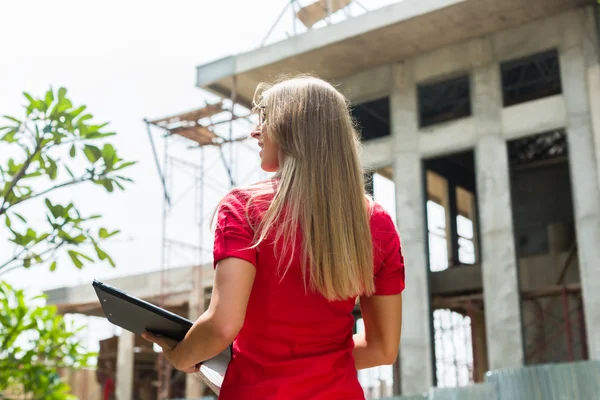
(481, 391)
(568, 381)
(573, 381)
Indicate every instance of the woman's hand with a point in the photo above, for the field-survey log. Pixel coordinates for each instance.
(168, 347)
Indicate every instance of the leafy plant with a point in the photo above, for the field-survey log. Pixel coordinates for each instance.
(54, 146)
(35, 342)
(45, 147)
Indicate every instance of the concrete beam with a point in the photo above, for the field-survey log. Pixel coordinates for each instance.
(416, 354)
(447, 138)
(125, 354)
(443, 63)
(499, 261)
(586, 190)
(463, 279)
(83, 299)
(536, 116)
(530, 38)
(366, 86)
(377, 153)
(318, 38)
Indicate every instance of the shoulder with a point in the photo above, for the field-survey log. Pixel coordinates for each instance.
(380, 218)
(243, 199)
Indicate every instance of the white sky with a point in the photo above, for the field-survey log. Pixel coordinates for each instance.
(126, 60)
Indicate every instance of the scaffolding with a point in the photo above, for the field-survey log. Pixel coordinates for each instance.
(201, 153)
(316, 13)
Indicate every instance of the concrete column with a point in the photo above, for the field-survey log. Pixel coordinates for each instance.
(415, 348)
(585, 183)
(193, 384)
(591, 49)
(125, 354)
(498, 256)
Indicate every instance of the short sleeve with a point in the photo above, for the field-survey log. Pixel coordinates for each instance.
(233, 234)
(389, 274)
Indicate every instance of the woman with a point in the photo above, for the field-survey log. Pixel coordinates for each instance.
(293, 254)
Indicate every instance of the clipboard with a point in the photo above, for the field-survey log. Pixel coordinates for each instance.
(138, 316)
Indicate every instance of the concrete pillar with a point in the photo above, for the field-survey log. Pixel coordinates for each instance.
(125, 354)
(585, 183)
(498, 256)
(591, 52)
(415, 347)
(193, 384)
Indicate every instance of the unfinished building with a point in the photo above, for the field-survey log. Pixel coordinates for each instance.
(485, 115)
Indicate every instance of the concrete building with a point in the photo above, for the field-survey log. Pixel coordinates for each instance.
(488, 113)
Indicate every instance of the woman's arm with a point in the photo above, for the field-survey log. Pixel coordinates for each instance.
(220, 324)
(379, 344)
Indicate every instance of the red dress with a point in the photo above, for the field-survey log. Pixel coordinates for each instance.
(295, 345)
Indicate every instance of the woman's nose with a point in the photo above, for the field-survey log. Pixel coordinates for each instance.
(255, 134)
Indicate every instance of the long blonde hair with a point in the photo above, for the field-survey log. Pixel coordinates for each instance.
(320, 187)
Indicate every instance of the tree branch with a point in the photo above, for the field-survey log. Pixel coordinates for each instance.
(33, 196)
(51, 236)
(10, 268)
(15, 258)
(19, 175)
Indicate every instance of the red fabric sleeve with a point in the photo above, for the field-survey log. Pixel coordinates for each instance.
(233, 234)
(389, 277)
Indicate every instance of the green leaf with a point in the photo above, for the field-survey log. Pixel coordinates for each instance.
(42, 237)
(79, 239)
(107, 183)
(7, 221)
(97, 135)
(13, 119)
(49, 98)
(92, 153)
(104, 234)
(9, 137)
(69, 172)
(72, 152)
(28, 96)
(52, 168)
(125, 165)
(84, 118)
(53, 209)
(110, 260)
(109, 154)
(62, 92)
(86, 257)
(20, 217)
(27, 262)
(75, 258)
(101, 254)
(78, 111)
(31, 234)
(63, 105)
(95, 128)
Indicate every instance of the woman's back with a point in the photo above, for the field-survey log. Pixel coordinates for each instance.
(292, 255)
(295, 343)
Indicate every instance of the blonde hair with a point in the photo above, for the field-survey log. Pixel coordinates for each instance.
(321, 187)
